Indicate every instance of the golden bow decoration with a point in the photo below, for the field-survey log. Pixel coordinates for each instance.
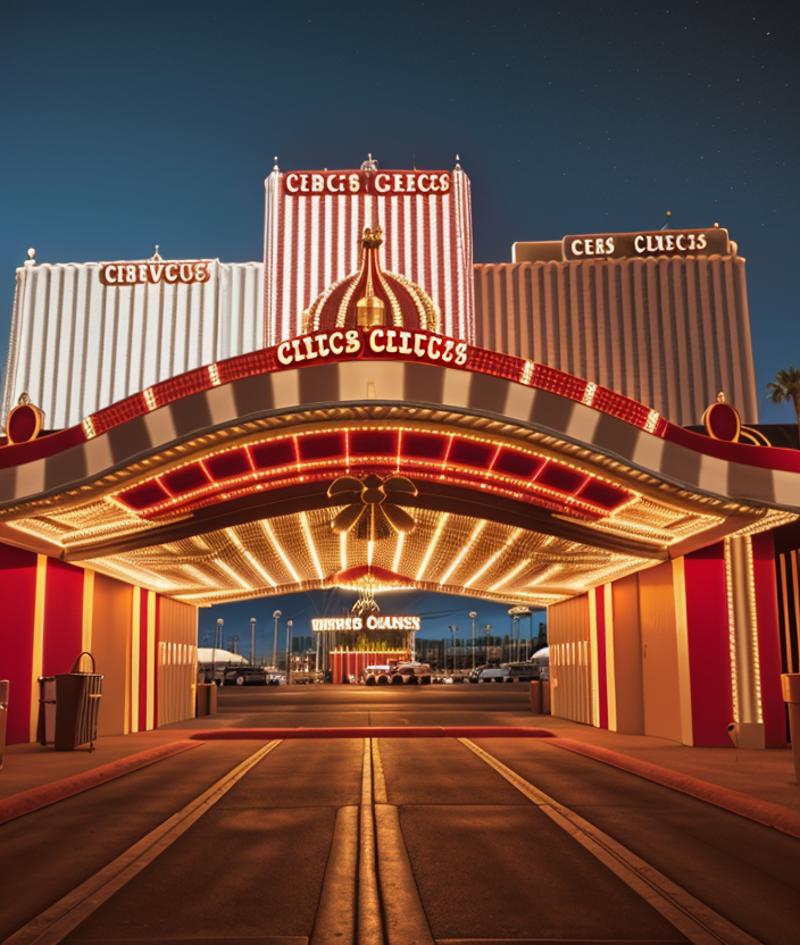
(371, 509)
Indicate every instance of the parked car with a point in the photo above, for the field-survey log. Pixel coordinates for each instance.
(411, 673)
(488, 673)
(245, 676)
(376, 675)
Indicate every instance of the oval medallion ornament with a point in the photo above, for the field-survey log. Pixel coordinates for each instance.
(24, 422)
(722, 420)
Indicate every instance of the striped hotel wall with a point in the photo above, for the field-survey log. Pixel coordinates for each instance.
(144, 644)
(670, 332)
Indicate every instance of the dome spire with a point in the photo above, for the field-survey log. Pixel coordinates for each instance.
(370, 310)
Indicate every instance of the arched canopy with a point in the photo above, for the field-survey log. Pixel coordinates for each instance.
(531, 484)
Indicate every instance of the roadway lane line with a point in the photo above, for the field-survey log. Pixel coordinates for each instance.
(63, 917)
(692, 918)
(370, 919)
(406, 922)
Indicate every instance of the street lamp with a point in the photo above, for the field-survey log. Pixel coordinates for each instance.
(473, 616)
(217, 643)
(276, 616)
(454, 631)
(516, 614)
(252, 641)
(289, 625)
(487, 630)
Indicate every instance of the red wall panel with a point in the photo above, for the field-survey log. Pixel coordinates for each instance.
(63, 617)
(18, 592)
(709, 651)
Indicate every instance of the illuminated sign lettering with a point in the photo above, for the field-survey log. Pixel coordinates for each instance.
(370, 622)
(658, 243)
(171, 272)
(381, 183)
(379, 341)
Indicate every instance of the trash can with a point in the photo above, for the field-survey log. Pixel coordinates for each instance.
(3, 718)
(77, 706)
(536, 697)
(790, 687)
(206, 699)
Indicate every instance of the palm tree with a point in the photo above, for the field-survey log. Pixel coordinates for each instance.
(786, 386)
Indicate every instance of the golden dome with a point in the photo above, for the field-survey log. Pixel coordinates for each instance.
(370, 297)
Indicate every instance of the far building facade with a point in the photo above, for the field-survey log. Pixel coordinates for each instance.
(367, 407)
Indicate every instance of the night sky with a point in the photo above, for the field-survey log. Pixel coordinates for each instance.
(129, 125)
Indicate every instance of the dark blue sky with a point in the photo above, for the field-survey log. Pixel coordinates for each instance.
(126, 125)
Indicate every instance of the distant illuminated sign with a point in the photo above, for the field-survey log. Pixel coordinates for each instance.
(657, 243)
(153, 272)
(370, 622)
(378, 341)
(381, 183)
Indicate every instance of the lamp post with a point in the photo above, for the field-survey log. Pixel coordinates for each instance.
(487, 630)
(454, 631)
(473, 616)
(217, 643)
(516, 614)
(289, 625)
(252, 641)
(276, 616)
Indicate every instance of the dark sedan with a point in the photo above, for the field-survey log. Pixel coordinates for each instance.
(245, 676)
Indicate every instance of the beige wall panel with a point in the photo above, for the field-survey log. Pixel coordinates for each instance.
(570, 671)
(627, 656)
(660, 676)
(111, 633)
(177, 660)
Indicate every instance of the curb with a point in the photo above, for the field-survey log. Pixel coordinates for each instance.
(26, 802)
(765, 813)
(374, 731)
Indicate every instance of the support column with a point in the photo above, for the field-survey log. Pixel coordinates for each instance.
(748, 716)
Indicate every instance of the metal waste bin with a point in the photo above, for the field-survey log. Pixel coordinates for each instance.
(790, 686)
(77, 706)
(3, 717)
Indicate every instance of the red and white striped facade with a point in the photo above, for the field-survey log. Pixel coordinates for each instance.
(312, 240)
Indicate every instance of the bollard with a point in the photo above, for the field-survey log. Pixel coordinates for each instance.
(536, 697)
(206, 699)
(790, 686)
(546, 697)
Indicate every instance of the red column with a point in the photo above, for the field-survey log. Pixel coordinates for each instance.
(769, 647)
(18, 591)
(707, 630)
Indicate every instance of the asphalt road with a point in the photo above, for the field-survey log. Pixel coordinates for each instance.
(393, 842)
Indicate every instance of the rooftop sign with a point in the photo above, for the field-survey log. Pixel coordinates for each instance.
(709, 242)
(374, 182)
(156, 271)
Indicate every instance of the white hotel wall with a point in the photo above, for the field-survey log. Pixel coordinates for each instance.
(77, 345)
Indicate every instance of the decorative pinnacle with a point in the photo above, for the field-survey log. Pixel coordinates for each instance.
(458, 165)
(275, 163)
(32, 255)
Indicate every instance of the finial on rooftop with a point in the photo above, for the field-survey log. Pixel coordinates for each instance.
(32, 255)
(275, 163)
(156, 257)
(458, 164)
(371, 163)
